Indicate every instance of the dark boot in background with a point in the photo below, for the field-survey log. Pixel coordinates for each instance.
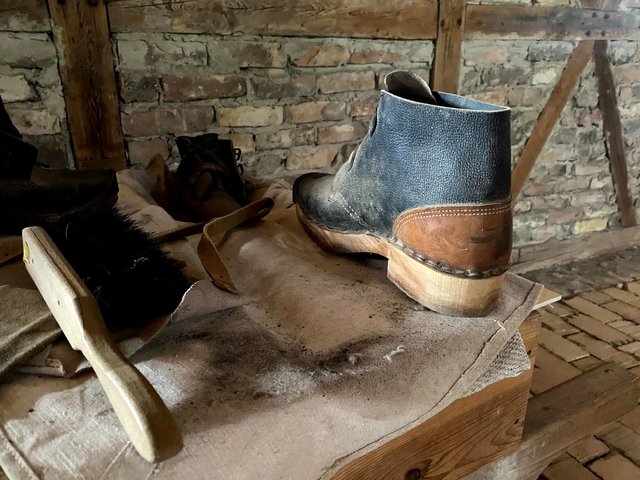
(32, 195)
(208, 178)
(428, 188)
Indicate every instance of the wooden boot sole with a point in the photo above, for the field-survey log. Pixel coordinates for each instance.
(436, 290)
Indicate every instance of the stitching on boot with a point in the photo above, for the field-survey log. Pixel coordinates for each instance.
(452, 212)
(350, 211)
(458, 272)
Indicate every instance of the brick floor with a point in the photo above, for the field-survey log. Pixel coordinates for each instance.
(596, 322)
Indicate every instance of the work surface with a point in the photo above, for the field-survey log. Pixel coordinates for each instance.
(318, 360)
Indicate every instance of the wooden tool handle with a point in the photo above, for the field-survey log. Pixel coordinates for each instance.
(140, 409)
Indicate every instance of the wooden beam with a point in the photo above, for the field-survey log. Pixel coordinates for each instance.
(446, 65)
(549, 23)
(562, 416)
(24, 16)
(406, 19)
(550, 115)
(470, 432)
(608, 103)
(82, 37)
(578, 247)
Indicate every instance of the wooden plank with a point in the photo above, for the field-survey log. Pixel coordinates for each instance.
(600, 330)
(591, 309)
(568, 468)
(561, 347)
(564, 415)
(604, 351)
(550, 371)
(549, 23)
(448, 51)
(403, 19)
(623, 296)
(468, 433)
(83, 42)
(24, 16)
(608, 103)
(601, 4)
(550, 115)
(553, 252)
(596, 297)
(627, 311)
(557, 324)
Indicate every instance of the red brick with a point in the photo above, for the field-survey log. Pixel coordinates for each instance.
(180, 88)
(346, 82)
(364, 106)
(321, 55)
(279, 86)
(306, 158)
(341, 133)
(248, 116)
(308, 112)
(167, 120)
(141, 151)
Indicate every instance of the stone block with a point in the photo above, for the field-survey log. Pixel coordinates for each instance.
(15, 88)
(247, 116)
(621, 51)
(138, 87)
(317, 54)
(141, 151)
(554, 51)
(544, 76)
(280, 86)
(346, 82)
(591, 225)
(181, 88)
(627, 74)
(27, 50)
(34, 121)
(308, 158)
(317, 111)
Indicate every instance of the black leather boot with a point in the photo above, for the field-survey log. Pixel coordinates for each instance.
(428, 188)
(208, 177)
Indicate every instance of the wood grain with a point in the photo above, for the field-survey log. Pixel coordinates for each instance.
(549, 23)
(608, 103)
(141, 411)
(81, 34)
(467, 434)
(550, 115)
(564, 415)
(406, 19)
(446, 64)
(24, 16)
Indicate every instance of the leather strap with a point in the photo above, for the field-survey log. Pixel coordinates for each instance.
(215, 229)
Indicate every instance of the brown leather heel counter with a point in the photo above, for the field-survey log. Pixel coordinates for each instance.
(473, 240)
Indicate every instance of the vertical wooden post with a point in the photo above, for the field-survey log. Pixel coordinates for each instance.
(608, 103)
(82, 38)
(446, 65)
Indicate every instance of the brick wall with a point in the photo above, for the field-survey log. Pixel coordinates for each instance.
(31, 89)
(289, 103)
(293, 104)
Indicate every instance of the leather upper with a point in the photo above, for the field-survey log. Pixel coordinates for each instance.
(415, 154)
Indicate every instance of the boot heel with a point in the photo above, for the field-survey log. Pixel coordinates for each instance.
(441, 292)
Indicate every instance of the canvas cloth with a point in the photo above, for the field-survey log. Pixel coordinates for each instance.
(318, 360)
